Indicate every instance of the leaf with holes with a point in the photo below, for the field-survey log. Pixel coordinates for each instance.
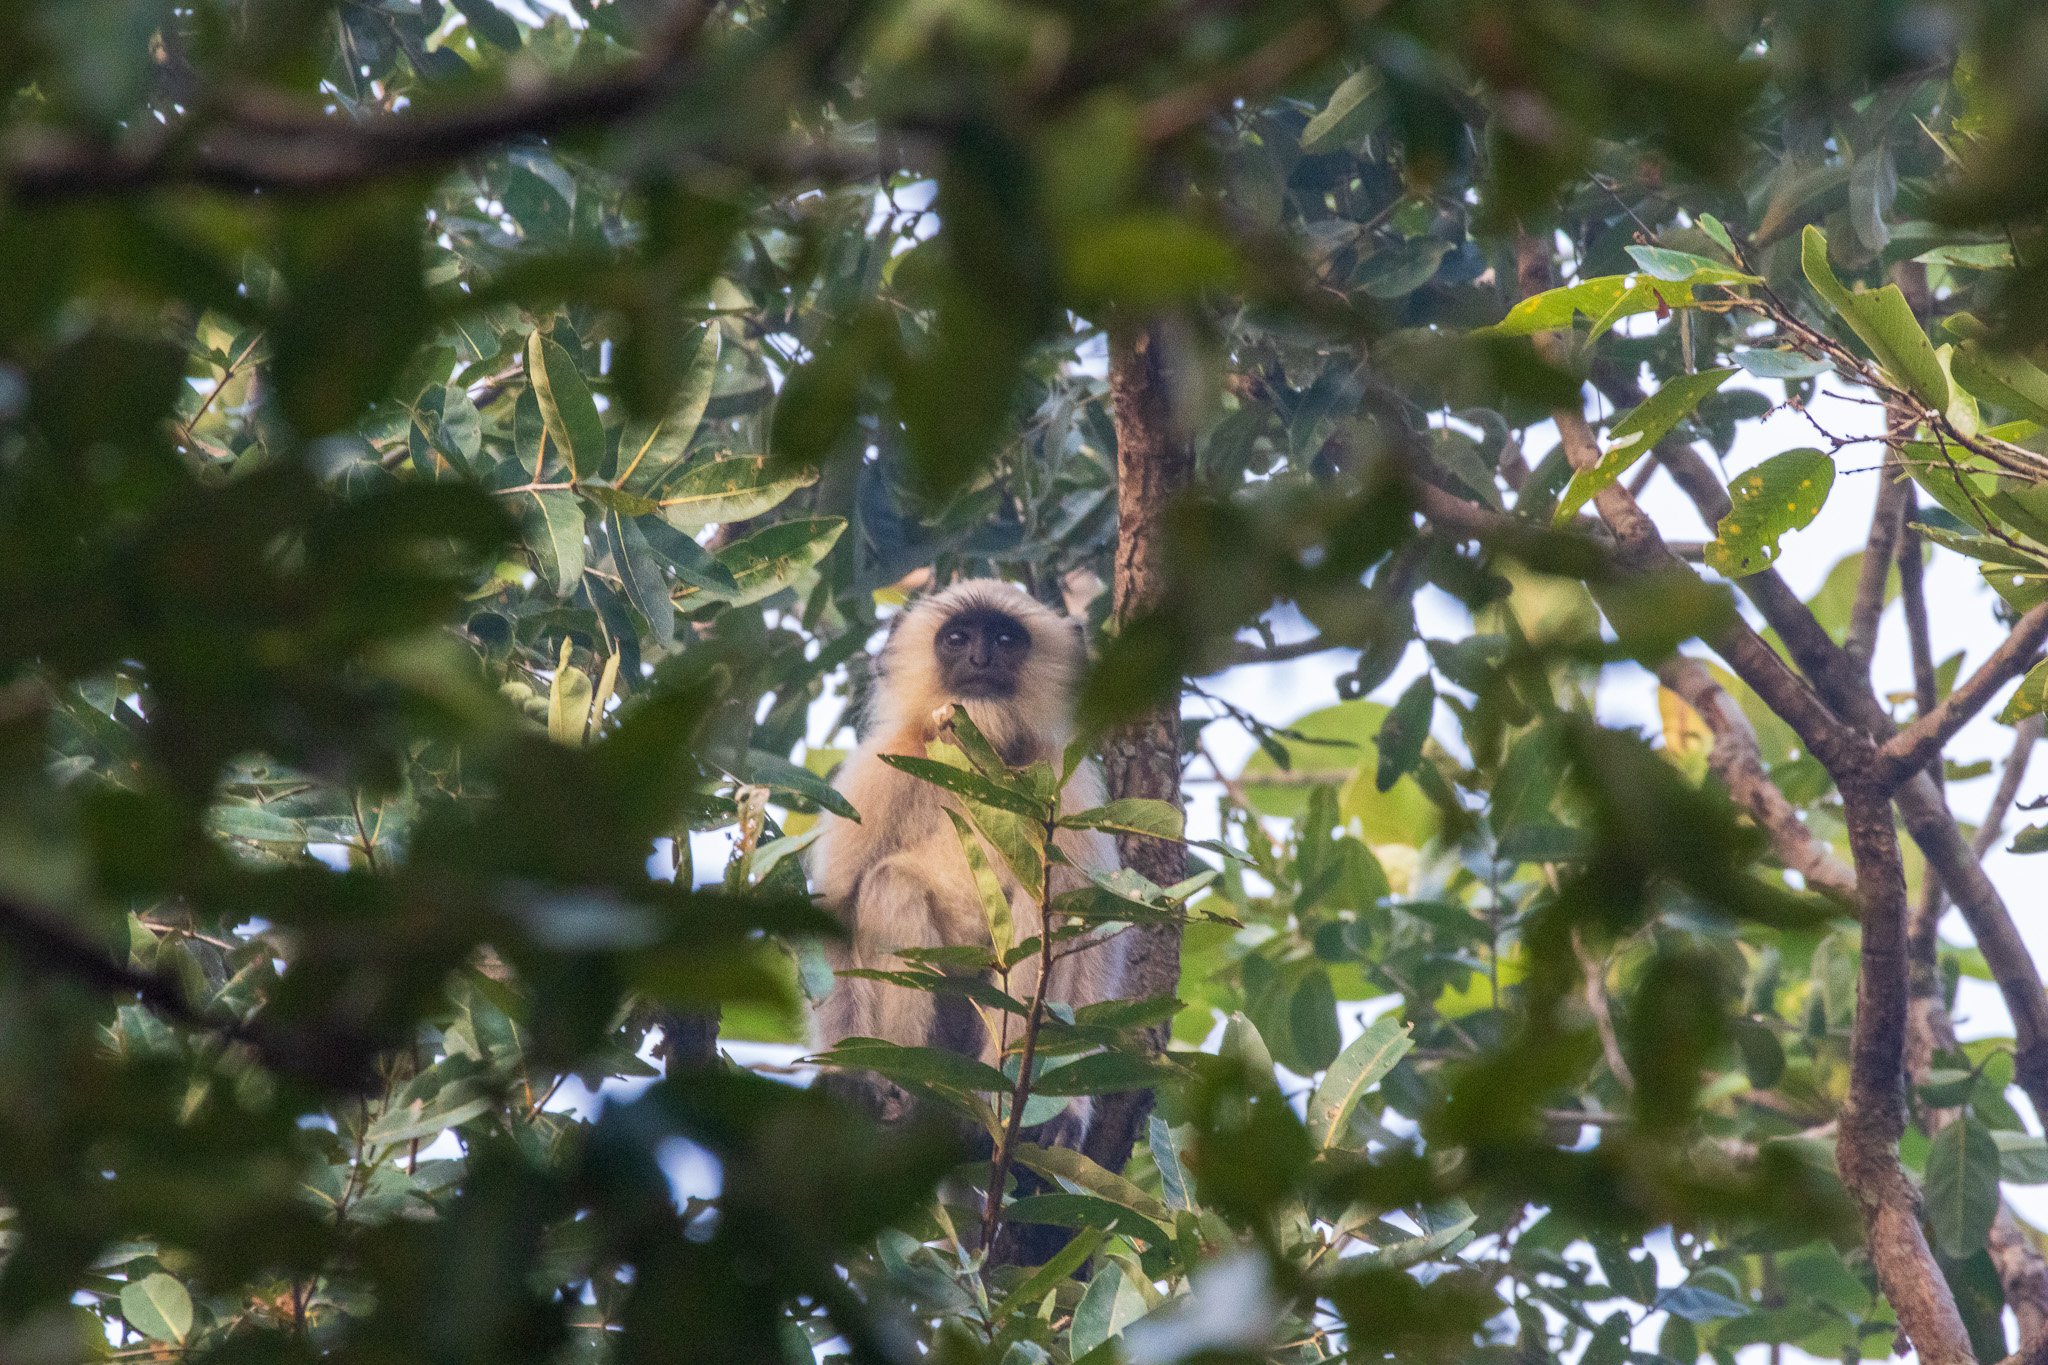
(1779, 496)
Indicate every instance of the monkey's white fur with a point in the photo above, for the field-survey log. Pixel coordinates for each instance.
(898, 878)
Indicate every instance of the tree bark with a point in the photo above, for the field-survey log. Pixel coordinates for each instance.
(1155, 462)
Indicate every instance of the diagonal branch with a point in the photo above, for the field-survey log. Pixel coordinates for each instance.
(44, 938)
(1874, 1114)
(259, 147)
(1912, 748)
(1642, 547)
(1735, 759)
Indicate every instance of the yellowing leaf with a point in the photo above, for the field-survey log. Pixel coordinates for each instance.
(1782, 494)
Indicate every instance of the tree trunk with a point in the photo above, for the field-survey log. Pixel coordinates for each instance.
(1155, 462)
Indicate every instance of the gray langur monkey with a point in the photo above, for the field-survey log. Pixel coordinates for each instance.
(898, 878)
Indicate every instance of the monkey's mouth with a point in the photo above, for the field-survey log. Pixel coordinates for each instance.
(985, 686)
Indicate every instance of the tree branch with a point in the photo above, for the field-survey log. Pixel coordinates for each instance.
(1879, 551)
(330, 1060)
(1155, 463)
(2025, 736)
(1874, 1114)
(1246, 653)
(267, 146)
(1735, 759)
(1915, 746)
(1756, 663)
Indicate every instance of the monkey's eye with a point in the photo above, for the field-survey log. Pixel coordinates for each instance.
(957, 638)
(1007, 637)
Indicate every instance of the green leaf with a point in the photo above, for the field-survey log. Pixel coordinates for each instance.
(1312, 1022)
(490, 23)
(1404, 732)
(1063, 1163)
(551, 523)
(1781, 364)
(650, 452)
(451, 1106)
(1698, 1303)
(1130, 815)
(1683, 267)
(1086, 1211)
(735, 488)
(1961, 1187)
(1174, 1179)
(776, 773)
(770, 560)
(1883, 320)
(1396, 271)
(1362, 1065)
(995, 906)
(1713, 227)
(974, 745)
(1635, 433)
(2032, 839)
(2011, 381)
(1050, 1276)
(1107, 1307)
(645, 588)
(968, 783)
(1349, 97)
(918, 1065)
(1970, 256)
(569, 698)
(530, 434)
(1148, 259)
(1780, 495)
(256, 824)
(158, 1307)
(616, 499)
(1104, 1073)
(2030, 698)
(566, 408)
(2022, 1158)
(693, 563)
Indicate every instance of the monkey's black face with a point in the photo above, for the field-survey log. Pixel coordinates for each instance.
(981, 653)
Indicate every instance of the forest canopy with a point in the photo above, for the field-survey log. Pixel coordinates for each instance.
(456, 461)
